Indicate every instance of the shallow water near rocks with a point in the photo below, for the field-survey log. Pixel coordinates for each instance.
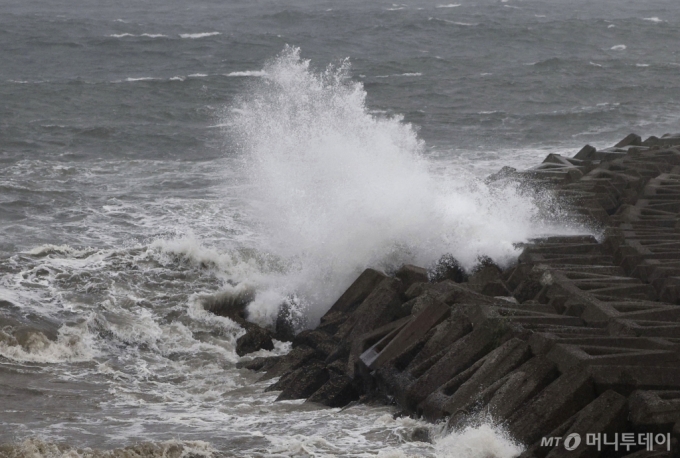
(154, 155)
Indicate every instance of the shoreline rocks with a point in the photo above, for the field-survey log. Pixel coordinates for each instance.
(580, 336)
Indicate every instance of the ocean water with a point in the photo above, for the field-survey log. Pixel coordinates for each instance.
(155, 154)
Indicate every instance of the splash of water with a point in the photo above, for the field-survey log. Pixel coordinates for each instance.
(486, 440)
(334, 189)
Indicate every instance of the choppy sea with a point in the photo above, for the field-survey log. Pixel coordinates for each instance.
(157, 153)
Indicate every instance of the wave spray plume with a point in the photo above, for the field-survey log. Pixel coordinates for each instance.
(335, 189)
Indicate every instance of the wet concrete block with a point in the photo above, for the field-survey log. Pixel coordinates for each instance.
(360, 344)
(551, 407)
(415, 290)
(452, 293)
(448, 268)
(409, 274)
(386, 350)
(445, 334)
(331, 322)
(358, 291)
(258, 364)
(338, 391)
(626, 379)
(654, 411)
(286, 321)
(305, 382)
(586, 153)
(255, 338)
(483, 274)
(458, 357)
(293, 360)
(463, 391)
(606, 415)
(323, 343)
(568, 356)
(380, 307)
(417, 304)
(505, 396)
(629, 140)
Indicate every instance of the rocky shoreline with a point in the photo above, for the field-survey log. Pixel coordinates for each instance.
(580, 336)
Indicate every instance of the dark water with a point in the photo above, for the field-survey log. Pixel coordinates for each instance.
(153, 153)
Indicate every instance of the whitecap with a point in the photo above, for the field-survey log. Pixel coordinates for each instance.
(450, 5)
(199, 35)
(248, 73)
(198, 75)
(642, 65)
(121, 35)
(594, 64)
(177, 78)
(153, 35)
(653, 19)
(398, 75)
(143, 78)
(618, 47)
(611, 26)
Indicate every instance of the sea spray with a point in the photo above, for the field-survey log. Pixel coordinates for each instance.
(485, 440)
(334, 189)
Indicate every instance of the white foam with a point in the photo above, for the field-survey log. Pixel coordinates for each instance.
(399, 74)
(653, 19)
(66, 250)
(73, 344)
(485, 440)
(450, 5)
(618, 47)
(258, 73)
(194, 36)
(146, 35)
(642, 65)
(143, 78)
(198, 75)
(611, 26)
(335, 189)
(37, 448)
(594, 64)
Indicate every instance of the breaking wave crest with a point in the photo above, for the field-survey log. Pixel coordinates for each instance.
(334, 189)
